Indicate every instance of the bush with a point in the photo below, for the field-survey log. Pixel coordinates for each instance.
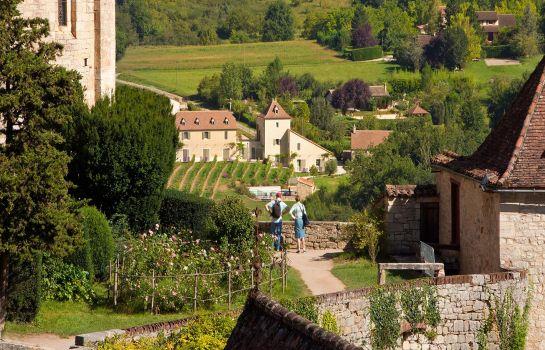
(100, 239)
(365, 53)
(65, 282)
(304, 307)
(329, 322)
(404, 84)
(233, 221)
(497, 51)
(364, 234)
(24, 288)
(313, 170)
(331, 166)
(325, 205)
(183, 210)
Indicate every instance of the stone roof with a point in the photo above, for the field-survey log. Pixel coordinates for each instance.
(364, 139)
(408, 191)
(513, 154)
(266, 325)
(275, 111)
(205, 120)
(417, 110)
(378, 91)
(486, 15)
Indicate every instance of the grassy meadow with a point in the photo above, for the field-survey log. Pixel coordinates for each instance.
(179, 69)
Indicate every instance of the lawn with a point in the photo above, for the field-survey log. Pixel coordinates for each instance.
(180, 69)
(361, 273)
(330, 183)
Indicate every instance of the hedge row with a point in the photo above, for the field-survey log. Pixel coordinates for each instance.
(497, 51)
(365, 53)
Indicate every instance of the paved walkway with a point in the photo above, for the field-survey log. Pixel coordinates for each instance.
(43, 341)
(315, 268)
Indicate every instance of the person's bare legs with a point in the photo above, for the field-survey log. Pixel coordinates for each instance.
(303, 244)
(299, 245)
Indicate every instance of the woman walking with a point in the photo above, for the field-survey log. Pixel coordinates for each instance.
(296, 212)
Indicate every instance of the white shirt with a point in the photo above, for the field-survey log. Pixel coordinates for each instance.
(297, 210)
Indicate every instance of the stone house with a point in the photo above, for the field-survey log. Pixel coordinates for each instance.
(362, 140)
(277, 142)
(86, 29)
(491, 23)
(491, 204)
(207, 135)
(305, 187)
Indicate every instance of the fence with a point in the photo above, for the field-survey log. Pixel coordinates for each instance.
(118, 280)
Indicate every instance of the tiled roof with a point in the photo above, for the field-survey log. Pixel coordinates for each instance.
(275, 111)
(266, 325)
(205, 120)
(408, 191)
(378, 91)
(364, 139)
(507, 20)
(486, 15)
(417, 110)
(491, 29)
(513, 155)
(306, 181)
(310, 141)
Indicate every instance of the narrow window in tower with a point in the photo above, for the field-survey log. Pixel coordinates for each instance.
(63, 12)
(73, 16)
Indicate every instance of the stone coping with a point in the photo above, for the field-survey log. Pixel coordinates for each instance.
(311, 222)
(473, 280)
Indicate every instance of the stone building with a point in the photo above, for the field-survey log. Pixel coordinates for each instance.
(86, 29)
(491, 211)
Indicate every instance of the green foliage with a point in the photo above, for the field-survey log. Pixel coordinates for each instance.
(279, 22)
(233, 221)
(331, 166)
(385, 320)
(329, 322)
(313, 170)
(327, 205)
(123, 154)
(412, 305)
(364, 233)
(24, 293)
(97, 231)
(404, 84)
(497, 51)
(502, 94)
(203, 333)
(65, 282)
(304, 307)
(364, 53)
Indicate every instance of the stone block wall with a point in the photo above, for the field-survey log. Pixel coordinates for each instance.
(320, 235)
(462, 303)
(402, 222)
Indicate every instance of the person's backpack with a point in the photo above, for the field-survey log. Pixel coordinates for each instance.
(276, 210)
(306, 221)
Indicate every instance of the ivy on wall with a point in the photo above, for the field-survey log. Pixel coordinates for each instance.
(385, 319)
(329, 322)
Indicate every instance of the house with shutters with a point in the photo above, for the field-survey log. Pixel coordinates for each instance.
(207, 135)
(487, 210)
(492, 23)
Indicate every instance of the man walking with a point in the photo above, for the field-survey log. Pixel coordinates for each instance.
(276, 208)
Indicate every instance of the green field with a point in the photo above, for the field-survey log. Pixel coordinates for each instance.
(180, 69)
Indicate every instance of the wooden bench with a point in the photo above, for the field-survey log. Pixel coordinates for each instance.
(438, 268)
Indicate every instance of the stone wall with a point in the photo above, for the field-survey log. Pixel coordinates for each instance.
(522, 245)
(320, 235)
(402, 222)
(462, 302)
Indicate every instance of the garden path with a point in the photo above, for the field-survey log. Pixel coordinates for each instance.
(43, 341)
(315, 268)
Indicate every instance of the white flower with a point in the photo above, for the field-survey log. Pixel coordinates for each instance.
(185, 268)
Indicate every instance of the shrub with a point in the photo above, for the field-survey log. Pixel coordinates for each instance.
(497, 51)
(365, 53)
(24, 288)
(325, 206)
(404, 84)
(65, 282)
(329, 322)
(304, 307)
(331, 166)
(364, 234)
(183, 210)
(233, 221)
(313, 170)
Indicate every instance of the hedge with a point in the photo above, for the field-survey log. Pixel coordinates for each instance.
(404, 85)
(365, 53)
(24, 288)
(183, 210)
(497, 51)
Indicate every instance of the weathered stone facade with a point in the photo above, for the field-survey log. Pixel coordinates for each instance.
(402, 221)
(462, 303)
(88, 37)
(320, 235)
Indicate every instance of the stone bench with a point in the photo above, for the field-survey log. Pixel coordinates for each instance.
(438, 268)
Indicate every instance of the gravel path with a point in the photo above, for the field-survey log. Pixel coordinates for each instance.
(315, 268)
(42, 341)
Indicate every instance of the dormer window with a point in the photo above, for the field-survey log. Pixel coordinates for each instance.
(276, 109)
(226, 121)
(212, 121)
(197, 121)
(182, 122)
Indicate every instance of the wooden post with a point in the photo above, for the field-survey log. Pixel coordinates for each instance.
(109, 279)
(381, 276)
(195, 291)
(116, 277)
(229, 288)
(152, 290)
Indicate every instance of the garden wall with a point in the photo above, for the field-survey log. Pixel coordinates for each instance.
(462, 302)
(320, 235)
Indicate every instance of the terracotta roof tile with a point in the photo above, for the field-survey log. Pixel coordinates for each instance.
(486, 15)
(506, 20)
(417, 110)
(306, 181)
(513, 155)
(205, 120)
(364, 139)
(408, 191)
(275, 111)
(378, 91)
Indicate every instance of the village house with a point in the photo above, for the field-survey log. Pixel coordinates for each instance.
(489, 208)
(207, 135)
(362, 140)
(491, 22)
(277, 142)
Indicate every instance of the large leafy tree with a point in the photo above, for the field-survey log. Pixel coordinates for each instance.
(36, 99)
(279, 22)
(353, 94)
(123, 153)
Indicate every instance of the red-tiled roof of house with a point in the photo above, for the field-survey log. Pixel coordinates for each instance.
(513, 155)
(408, 191)
(378, 91)
(486, 15)
(364, 139)
(205, 120)
(306, 181)
(506, 20)
(275, 111)
(417, 110)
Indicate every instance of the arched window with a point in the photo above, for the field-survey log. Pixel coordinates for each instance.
(63, 12)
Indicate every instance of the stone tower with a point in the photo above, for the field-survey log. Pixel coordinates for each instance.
(86, 29)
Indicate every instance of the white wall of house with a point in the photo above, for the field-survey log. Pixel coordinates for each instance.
(271, 133)
(308, 153)
(217, 143)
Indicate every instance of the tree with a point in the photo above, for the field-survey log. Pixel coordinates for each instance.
(36, 99)
(287, 85)
(353, 94)
(230, 84)
(463, 21)
(449, 49)
(525, 41)
(268, 81)
(502, 94)
(123, 154)
(363, 36)
(279, 23)
(409, 54)
(331, 167)
(321, 112)
(208, 89)
(233, 221)
(97, 231)
(364, 234)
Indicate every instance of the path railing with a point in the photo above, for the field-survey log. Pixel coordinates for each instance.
(258, 277)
